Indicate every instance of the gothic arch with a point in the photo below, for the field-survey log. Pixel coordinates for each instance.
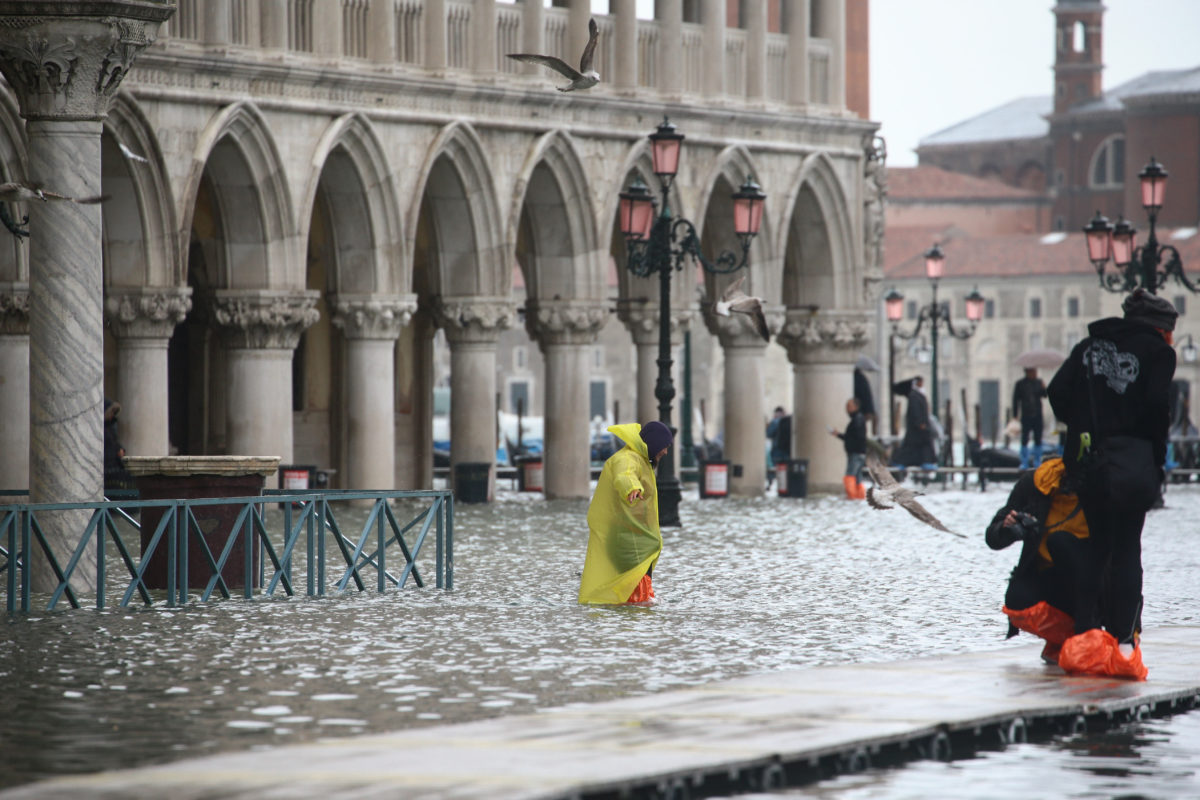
(731, 168)
(141, 244)
(819, 265)
(456, 181)
(14, 163)
(237, 158)
(350, 167)
(552, 213)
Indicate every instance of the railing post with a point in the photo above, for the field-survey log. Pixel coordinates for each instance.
(449, 541)
(101, 529)
(321, 547)
(26, 547)
(172, 535)
(310, 552)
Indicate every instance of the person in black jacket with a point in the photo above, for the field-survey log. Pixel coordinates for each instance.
(854, 439)
(1116, 382)
(917, 447)
(1027, 408)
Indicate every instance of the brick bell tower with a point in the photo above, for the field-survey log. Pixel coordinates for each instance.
(1078, 58)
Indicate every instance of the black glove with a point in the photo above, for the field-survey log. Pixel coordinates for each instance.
(1026, 527)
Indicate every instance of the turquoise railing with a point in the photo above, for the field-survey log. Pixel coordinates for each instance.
(307, 523)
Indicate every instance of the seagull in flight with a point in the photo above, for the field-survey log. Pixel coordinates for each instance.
(583, 78)
(132, 156)
(733, 299)
(886, 493)
(13, 192)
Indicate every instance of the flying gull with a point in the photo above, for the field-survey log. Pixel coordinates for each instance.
(16, 192)
(583, 78)
(734, 299)
(132, 156)
(886, 493)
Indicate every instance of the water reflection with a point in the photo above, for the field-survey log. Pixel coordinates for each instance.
(745, 587)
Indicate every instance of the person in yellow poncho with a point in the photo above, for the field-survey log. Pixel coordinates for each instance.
(624, 541)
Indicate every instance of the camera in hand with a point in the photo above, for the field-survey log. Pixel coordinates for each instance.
(1026, 527)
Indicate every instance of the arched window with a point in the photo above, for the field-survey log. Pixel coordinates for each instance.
(1078, 37)
(1108, 164)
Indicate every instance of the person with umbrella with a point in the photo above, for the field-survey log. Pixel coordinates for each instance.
(1027, 407)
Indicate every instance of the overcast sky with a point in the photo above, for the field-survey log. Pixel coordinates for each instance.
(937, 62)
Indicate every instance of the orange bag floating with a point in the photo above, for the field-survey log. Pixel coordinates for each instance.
(1095, 652)
(1044, 620)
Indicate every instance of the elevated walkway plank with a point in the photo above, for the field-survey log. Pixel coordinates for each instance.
(739, 735)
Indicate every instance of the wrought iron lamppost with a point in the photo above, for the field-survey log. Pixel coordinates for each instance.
(934, 313)
(662, 244)
(1135, 266)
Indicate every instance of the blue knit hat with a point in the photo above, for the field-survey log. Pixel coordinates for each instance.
(657, 437)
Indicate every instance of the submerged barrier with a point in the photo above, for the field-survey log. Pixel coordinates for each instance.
(214, 545)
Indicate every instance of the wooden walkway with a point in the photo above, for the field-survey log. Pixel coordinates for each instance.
(766, 731)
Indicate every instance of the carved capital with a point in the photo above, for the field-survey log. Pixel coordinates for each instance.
(474, 320)
(373, 316)
(66, 60)
(264, 319)
(643, 321)
(564, 321)
(146, 313)
(737, 330)
(14, 309)
(825, 336)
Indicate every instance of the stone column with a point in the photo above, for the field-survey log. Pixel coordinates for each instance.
(832, 17)
(713, 79)
(822, 348)
(756, 49)
(14, 386)
(797, 52)
(533, 32)
(435, 34)
(473, 326)
(578, 14)
(670, 46)
(371, 325)
(261, 329)
(625, 70)
(216, 23)
(274, 24)
(483, 33)
(565, 331)
(745, 406)
(65, 62)
(381, 31)
(327, 29)
(142, 320)
(642, 323)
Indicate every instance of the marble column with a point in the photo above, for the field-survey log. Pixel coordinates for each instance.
(371, 324)
(822, 348)
(327, 29)
(274, 24)
(414, 402)
(713, 78)
(625, 70)
(831, 15)
(435, 34)
(261, 329)
(670, 46)
(533, 32)
(642, 322)
(756, 49)
(483, 33)
(565, 331)
(797, 52)
(216, 23)
(14, 386)
(381, 31)
(473, 326)
(142, 320)
(745, 404)
(64, 63)
(578, 14)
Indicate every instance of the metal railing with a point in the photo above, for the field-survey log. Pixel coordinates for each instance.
(306, 526)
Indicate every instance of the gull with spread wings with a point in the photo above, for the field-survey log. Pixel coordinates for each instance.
(887, 493)
(583, 78)
(733, 299)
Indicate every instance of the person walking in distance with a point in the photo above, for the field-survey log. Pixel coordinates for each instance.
(1113, 394)
(854, 439)
(1027, 407)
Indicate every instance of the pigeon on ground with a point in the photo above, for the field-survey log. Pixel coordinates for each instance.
(17, 192)
(886, 493)
(132, 156)
(734, 299)
(583, 78)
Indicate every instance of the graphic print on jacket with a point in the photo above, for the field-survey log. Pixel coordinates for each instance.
(1119, 369)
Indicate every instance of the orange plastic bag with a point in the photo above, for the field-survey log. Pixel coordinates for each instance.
(1095, 652)
(1044, 620)
(643, 592)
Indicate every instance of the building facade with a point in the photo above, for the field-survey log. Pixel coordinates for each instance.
(305, 196)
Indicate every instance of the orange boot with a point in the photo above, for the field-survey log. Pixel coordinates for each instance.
(854, 489)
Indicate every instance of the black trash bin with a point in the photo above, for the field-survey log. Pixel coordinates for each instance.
(797, 478)
(471, 482)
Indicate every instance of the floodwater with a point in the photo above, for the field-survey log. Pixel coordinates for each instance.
(744, 587)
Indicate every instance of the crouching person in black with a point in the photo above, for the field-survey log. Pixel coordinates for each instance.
(1047, 519)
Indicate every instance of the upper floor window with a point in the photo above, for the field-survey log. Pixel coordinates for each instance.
(1108, 163)
(1035, 307)
(1072, 306)
(1180, 303)
(989, 308)
(1078, 37)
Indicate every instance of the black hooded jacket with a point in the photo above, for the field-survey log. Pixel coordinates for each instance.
(1127, 366)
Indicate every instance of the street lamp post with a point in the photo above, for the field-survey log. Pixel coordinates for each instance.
(1136, 267)
(934, 314)
(662, 244)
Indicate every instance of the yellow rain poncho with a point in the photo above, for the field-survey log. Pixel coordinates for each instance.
(624, 539)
